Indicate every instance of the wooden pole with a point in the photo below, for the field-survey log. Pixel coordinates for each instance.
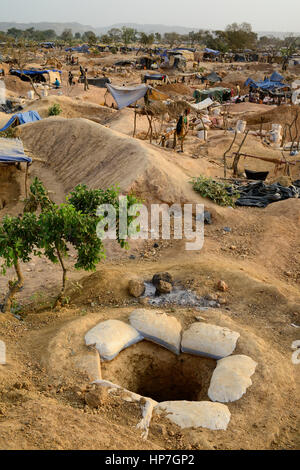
(26, 177)
(227, 151)
(134, 125)
(237, 156)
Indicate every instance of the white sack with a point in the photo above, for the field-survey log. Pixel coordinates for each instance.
(198, 414)
(203, 339)
(158, 327)
(231, 378)
(111, 337)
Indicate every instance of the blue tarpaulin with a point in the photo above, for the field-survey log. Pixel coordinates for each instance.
(211, 51)
(267, 84)
(31, 72)
(83, 48)
(276, 77)
(11, 150)
(23, 118)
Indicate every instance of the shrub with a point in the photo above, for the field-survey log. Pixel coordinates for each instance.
(54, 110)
(223, 194)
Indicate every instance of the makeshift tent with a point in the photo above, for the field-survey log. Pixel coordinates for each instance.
(211, 51)
(124, 96)
(276, 77)
(123, 63)
(156, 76)
(219, 94)
(84, 48)
(99, 82)
(156, 95)
(22, 118)
(12, 151)
(269, 84)
(213, 77)
(37, 75)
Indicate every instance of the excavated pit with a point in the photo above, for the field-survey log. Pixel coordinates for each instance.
(152, 371)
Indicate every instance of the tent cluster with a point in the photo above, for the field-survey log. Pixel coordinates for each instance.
(84, 49)
(268, 84)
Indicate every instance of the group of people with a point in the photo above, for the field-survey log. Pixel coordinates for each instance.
(83, 78)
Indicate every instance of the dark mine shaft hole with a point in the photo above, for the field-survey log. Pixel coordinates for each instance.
(152, 371)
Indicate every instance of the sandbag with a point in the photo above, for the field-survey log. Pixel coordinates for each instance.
(203, 339)
(158, 328)
(231, 378)
(204, 414)
(111, 337)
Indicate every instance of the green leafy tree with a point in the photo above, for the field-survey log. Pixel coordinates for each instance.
(146, 39)
(158, 37)
(106, 39)
(172, 38)
(19, 240)
(67, 36)
(115, 35)
(240, 36)
(90, 37)
(128, 35)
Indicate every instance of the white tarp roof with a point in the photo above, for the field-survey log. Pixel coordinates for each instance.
(124, 96)
(203, 104)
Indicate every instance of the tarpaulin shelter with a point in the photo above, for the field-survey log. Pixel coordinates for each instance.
(99, 82)
(266, 85)
(276, 77)
(219, 94)
(21, 118)
(125, 96)
(211, 51)
(37, 75)
(12, 152)
(84, 48)
(153, 76)
(213, 77)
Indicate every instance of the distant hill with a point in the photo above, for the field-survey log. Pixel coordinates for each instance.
(57, 27)
(146, 28)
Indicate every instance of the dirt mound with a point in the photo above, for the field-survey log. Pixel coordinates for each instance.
(277, 115)
(81, 151)
(71, 108)
(176, 89)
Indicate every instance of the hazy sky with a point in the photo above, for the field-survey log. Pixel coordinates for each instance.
(264, 15)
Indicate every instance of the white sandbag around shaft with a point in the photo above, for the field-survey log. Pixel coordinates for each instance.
(231, 378)
(203, 339)
(111, 337)
(158, 328)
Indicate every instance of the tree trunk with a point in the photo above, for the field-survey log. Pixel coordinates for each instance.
(64, 277)
(14, 288)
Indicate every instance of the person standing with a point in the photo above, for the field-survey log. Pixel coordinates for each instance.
(86, 83)
(71, 78)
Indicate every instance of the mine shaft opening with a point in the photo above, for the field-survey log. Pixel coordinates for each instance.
(152, 371)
